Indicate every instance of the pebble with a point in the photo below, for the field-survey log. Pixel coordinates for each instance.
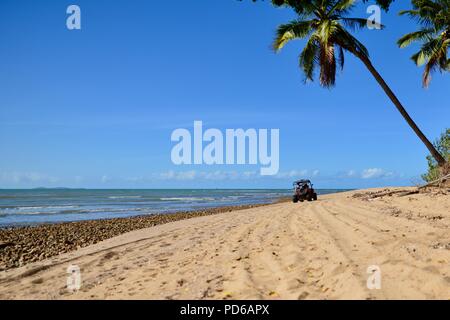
(22, 245)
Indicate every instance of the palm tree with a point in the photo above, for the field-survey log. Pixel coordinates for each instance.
(385, 4)
(323, 23)
(434, 17)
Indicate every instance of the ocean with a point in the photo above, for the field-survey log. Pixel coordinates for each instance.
(36, 206)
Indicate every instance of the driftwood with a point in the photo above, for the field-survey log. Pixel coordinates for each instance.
(407, 193)
(402, 193)
(440, 180)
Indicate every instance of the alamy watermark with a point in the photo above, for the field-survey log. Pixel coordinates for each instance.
(73, 22)
(74, 278)
(374, 279)
(227, 149)
(374, 20)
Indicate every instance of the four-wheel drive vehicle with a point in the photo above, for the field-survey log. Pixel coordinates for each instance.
(303, 190)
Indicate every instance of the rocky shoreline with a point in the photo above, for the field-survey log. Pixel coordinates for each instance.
(22, 245)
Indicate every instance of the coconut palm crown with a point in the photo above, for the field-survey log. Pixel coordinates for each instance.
(384, 4)
(434, 17)
(324, 23)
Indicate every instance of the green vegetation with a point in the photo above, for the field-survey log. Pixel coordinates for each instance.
(443, 146)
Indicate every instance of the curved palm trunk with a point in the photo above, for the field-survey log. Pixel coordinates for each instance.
(436, 155)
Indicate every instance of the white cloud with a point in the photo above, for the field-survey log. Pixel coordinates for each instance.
(26, 178)
(372, 173)
(218, 175)
(205, 175)
(292, 174)
(227, 175)
(182, 175)
(351, 173)
(250, 174)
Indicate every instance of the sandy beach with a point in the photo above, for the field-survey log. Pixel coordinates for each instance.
(310, 250)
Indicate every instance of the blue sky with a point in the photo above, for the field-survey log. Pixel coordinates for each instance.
(96, 107)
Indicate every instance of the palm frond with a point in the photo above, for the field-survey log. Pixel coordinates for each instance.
(341, 57)
(323, 31)
(301, 7)
(357, 23)
(384, 4)
(327, 65)
(435, 16)
(429, 68)
(348, 42)
(293, 30)
(421, 35)
(308, 58)
(342, 6)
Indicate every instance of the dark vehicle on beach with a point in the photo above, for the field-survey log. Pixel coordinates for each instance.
(303, 190)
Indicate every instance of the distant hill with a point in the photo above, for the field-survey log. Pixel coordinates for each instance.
(56, 188)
